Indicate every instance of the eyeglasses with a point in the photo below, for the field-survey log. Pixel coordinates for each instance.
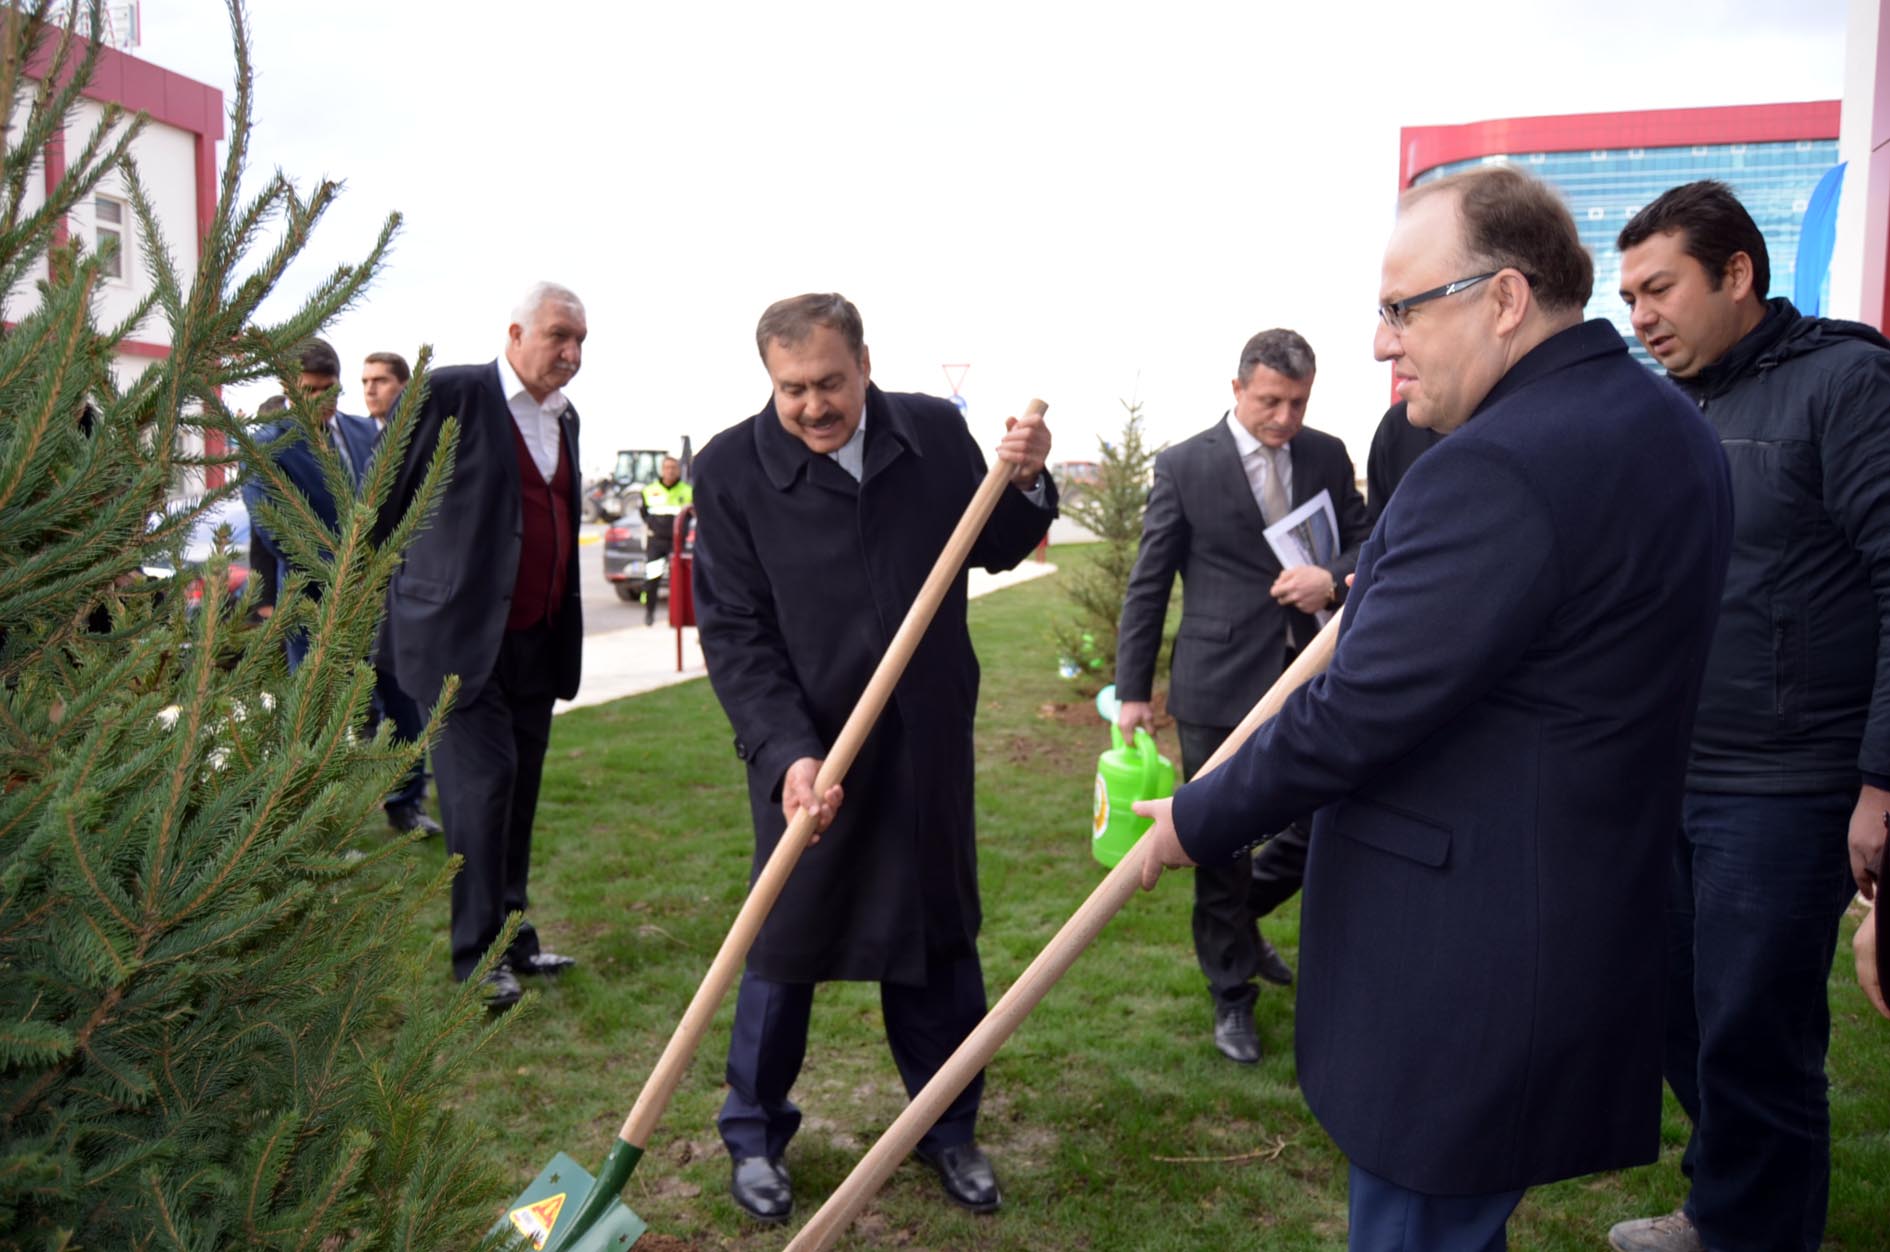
(1395, 313)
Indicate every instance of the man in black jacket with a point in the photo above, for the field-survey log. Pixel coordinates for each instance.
(1243, 617)
(1789, 776)
(1396, 446)
(820, 518)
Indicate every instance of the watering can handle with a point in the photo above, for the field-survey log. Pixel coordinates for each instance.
(1115, 734)
(1151, 760)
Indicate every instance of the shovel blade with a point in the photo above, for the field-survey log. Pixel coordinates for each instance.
(544, 1209)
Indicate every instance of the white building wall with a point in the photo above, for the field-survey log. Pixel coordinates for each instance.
(166, 159)
(1857, 263)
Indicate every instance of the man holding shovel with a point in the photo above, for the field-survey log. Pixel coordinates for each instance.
(1496, 752)
(819, 519)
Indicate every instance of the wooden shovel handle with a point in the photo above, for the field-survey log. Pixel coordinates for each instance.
(654, 1099)
(1010, 1011)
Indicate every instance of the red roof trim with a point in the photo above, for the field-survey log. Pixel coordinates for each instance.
(143, 87)
(1421, 148)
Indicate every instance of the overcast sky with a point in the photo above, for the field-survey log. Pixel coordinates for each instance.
(1085, 202)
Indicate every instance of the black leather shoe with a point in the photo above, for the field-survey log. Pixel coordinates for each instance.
(1272, 966)
(967, 1176)
(1234, 1034)
(760, 1185)
(541, 964)
(407, 818)
(501, 988)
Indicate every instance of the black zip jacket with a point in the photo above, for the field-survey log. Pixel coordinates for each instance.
(1797, 692)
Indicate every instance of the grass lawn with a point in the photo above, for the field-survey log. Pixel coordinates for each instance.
(1112, 1121)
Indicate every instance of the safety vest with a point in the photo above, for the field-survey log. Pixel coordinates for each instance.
(661, 501)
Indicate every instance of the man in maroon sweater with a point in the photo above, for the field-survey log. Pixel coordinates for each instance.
(489, 592)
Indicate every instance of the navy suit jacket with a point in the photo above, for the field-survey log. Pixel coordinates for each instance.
(283, 439)
(448, 603)
(1496, 753)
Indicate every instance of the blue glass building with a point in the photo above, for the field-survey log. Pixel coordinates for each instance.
(1605, 184)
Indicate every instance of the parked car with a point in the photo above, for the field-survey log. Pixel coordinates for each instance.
(625, 555)
(200, 544)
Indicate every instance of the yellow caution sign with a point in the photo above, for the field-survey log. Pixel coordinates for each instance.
(535, 1220)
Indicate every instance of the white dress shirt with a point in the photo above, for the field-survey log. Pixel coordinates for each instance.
(851, 455)
(1253, 459)
(536, 421)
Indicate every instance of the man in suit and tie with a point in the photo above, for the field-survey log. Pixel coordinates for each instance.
(384, 376)
(1497, 750)
(1243, 618)
(489, 592)
(352, 438)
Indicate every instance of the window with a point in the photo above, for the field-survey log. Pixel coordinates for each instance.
(109, 216)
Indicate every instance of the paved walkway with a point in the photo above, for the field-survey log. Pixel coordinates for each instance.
(623, 662)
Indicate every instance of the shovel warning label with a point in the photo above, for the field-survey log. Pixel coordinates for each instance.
(535, 1220)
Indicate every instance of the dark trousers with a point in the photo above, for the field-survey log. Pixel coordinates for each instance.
(924, 1026)
(655, 550)
(396, 706)
(488, 761)
(1230, 900)
(1388, 1218)
(1759, 886)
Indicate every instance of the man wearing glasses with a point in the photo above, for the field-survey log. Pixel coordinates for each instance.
(1496, 752)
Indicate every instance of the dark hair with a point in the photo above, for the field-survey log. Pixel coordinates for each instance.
(1282, 351)
(274, 404)
(318, 357)
(1513, 221)
(792, 320)
(393, 361)
(1712, 224)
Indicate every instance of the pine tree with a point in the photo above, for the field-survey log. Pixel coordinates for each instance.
(1111, 509)
(213, 1032)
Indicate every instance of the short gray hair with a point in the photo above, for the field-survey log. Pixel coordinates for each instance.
(538, 297)
(792, 320)
(1282, 351)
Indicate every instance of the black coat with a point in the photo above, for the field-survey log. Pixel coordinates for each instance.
(1396, 446)
(1203, 523)
(802, 576)
(447, 605)
(1797, 695)
(1499, 747)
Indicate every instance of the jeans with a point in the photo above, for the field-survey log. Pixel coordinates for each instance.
(1760, 883)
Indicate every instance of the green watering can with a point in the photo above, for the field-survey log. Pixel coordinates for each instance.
(1124, 775)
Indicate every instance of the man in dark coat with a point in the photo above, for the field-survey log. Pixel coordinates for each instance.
(1243, 617)
(353, 440)
(1789, 778)
(1497, 748)
(384, 376)
(819, 519)
(489, 591)
(1396, 446)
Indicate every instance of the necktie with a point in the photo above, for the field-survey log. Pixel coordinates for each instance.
(1273, 504)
